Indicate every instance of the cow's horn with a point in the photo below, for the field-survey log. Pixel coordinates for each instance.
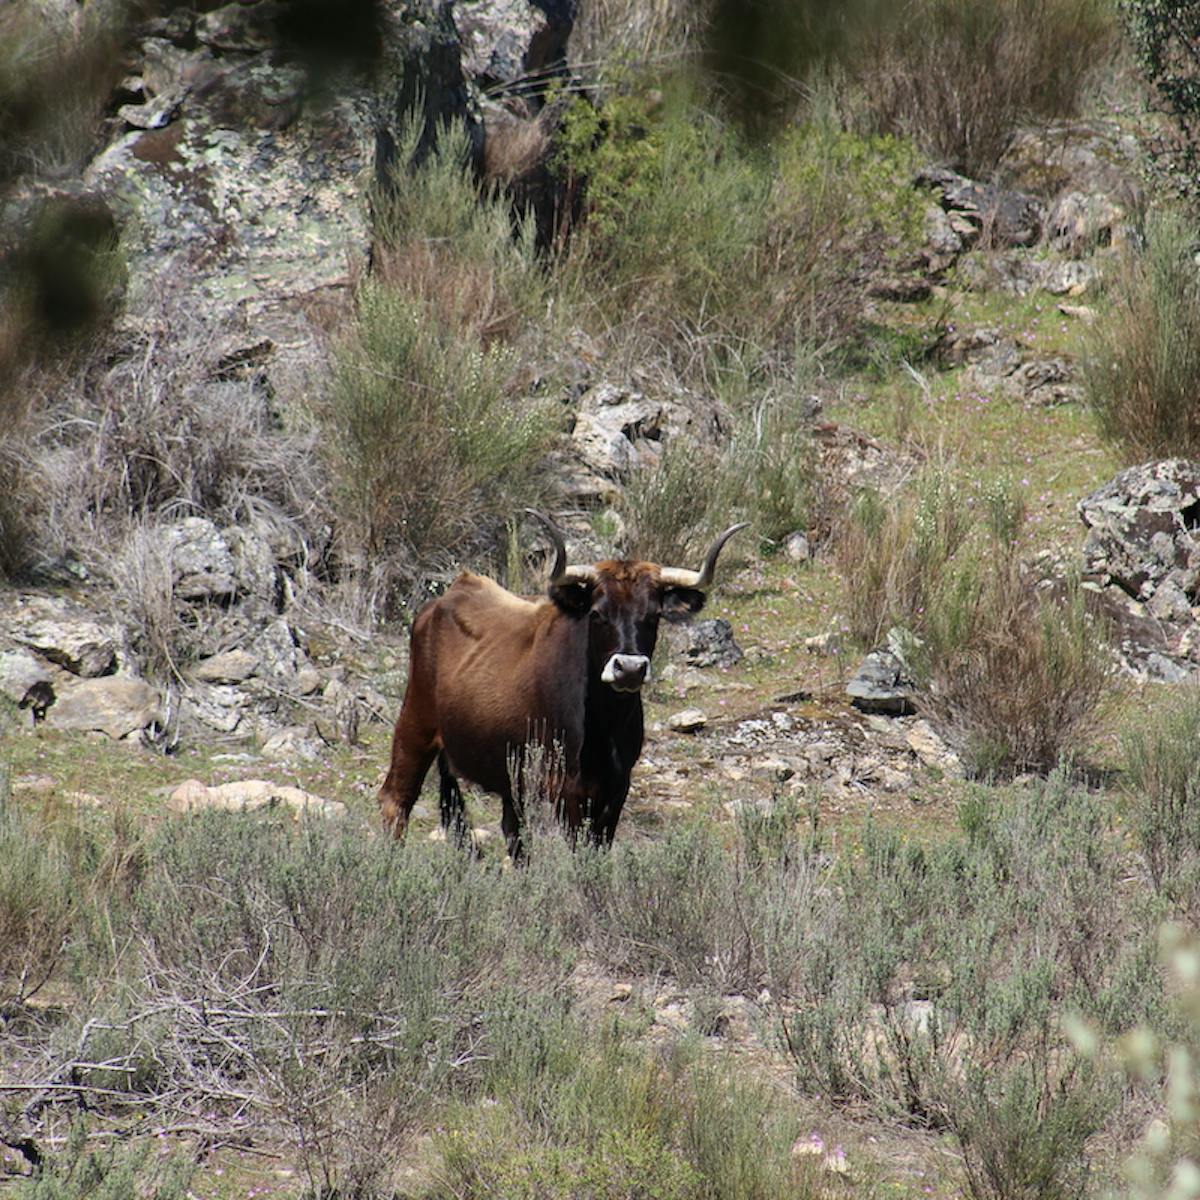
(561, 573)
(676, 577)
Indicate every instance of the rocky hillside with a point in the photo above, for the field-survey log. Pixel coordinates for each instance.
(316, 309)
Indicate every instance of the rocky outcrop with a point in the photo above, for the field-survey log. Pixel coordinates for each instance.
(1144, 536)
(980, 212)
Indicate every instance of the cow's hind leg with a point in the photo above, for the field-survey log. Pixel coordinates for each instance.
(454, 812)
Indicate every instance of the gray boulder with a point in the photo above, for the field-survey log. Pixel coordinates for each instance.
(1000, 217)
(116, 705)
(1144, 535)
(61, 632)
(882, 684)
(709, 643)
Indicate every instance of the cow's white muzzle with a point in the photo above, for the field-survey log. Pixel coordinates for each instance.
(626, 672)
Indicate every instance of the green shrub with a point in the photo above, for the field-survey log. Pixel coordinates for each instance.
(440, 244)
(1162, 776)
(927, 967)
(921, 73)
(38, 902)
(716, 252)
(893, 552)
(111, 1172)
(1020, 1137)
(607, 1118)
(1142, 367)
(669, 506)
(765, 475)
(430, 451)
(1164, 33)
(1013, 677)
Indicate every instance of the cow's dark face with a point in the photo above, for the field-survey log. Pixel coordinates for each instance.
(623, 607)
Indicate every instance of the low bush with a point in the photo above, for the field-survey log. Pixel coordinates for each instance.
(430, 451)
(714, 253)
(1162, 776)
(1012, 675)
(1024, 1135)
(1142, 366)
(933, 984)
(764, 474)
(603, 1117)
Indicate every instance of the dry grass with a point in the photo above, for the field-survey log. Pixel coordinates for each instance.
(1014, 677)
(923, 72)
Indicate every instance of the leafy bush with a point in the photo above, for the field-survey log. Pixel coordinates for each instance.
(1142, 366)
(920, 72)
(601, 1117)
(1162, 775)
(1164, 33)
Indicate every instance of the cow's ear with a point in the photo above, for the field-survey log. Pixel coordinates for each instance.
(574, 597)
(681, 604)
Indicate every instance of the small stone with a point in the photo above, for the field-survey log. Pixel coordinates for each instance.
(796, 547)
(308, 680)
(823, 643)
(1079, 312)
(234, 666)
(687, 720)
(290, 744)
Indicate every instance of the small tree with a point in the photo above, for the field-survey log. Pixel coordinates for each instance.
(1166, 39)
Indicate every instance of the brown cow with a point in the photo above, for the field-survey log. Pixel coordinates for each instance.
(491, 674)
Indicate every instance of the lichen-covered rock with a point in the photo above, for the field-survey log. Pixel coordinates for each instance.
(708, 643)
(62, 632)
(883, 683)
(232, 666)
(202, 567)
(1144, 533)
(19, 671)
(1081, 222)
(116, 705)
(1003, 216)
(250, 795)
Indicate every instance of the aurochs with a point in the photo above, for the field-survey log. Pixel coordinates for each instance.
(491, 674)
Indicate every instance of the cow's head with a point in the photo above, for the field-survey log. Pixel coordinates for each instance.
(623, 603)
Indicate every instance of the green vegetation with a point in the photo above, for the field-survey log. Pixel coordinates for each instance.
(267, 964)
(1143, 361)
(1163, 33)
(1162, 776)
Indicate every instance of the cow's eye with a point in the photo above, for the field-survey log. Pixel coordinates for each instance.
(597, 615)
